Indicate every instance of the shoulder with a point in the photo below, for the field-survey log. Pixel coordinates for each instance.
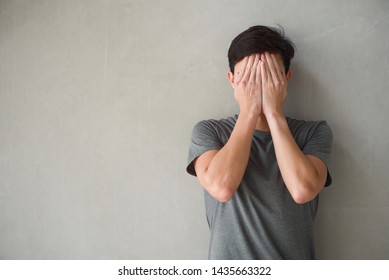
(302, 126)
(212, 126)
(304, 131)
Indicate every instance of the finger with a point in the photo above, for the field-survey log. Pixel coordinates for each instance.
(271, 67)
(247, 70)
(239, 74)
(253, 73)
(259, 75)
(259, 79)
(264, 70)
(279, 68)
(258, 70)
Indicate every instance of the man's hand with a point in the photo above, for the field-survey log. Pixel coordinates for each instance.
(248, 87)
(274, 84)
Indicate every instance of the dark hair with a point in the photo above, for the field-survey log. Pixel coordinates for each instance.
(260, 39)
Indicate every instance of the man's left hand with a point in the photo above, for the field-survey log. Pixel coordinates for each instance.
(274, 84)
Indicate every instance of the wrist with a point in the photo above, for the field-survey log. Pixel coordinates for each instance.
(274, 114)
(248, 118)
(275, 118)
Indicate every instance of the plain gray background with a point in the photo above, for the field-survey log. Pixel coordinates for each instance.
(98, 100)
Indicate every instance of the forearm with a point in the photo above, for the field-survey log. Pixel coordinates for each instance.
(226, 170)
(299, 174)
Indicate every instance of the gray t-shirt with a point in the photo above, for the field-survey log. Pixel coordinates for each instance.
(261, 221)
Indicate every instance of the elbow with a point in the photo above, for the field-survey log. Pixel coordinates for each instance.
(221, 189)
(224, 195)
(301, 198)
(222, 192)
(303, 194)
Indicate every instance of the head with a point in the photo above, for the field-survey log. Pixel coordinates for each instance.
(260, 39)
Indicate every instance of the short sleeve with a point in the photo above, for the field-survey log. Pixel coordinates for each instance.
(204, 138)
(319, 144)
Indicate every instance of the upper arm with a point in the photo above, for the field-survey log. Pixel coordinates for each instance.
(318, 151)
(205, 138)
(207, 180)
(201, 165)
(321, 171)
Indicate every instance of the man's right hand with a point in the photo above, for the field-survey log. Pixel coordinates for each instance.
(247, 85)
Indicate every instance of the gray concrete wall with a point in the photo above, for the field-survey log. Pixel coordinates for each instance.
(98, 100)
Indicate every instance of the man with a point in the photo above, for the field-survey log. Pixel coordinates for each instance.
(261, 171)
